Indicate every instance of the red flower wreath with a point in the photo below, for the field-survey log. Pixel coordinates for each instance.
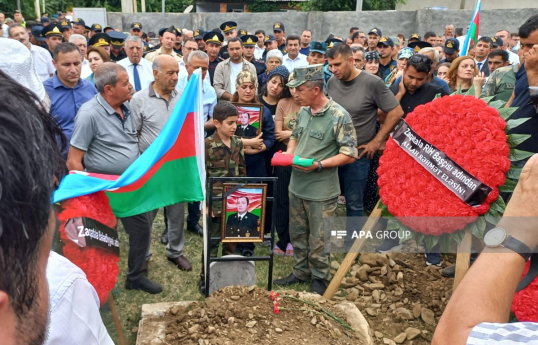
(99, 265)
(524, 304)
(472, 134)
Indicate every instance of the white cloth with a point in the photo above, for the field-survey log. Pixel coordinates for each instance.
(258, 52)
(183, 73)
(5, 28)
(42, 62)
(209, 96)
(291, 64)
(235, 69)
(73, 306)
(513, 58)
(85, 70)
(144, 68)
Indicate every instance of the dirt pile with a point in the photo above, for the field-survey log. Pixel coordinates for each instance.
(246, 315)
(400, 297)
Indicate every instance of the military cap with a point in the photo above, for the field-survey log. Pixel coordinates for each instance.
(54, 16)
(179, 32)
(108, 28)
(331, 42)
(96, 28)
(279, 27)
(79, 21)
(242, 32)
(496, 42)
(249, 40)
(199, 34)
(136, 26)
(318, 47)
(161, 31)
(87, 29)
(396, 40)
(44, 20)
(37, 32)
(228, 26)
(418, 45)
(375, 31)
(51, 30)
(214, 37)
(64, 12)
(117, 39)
(171, 30)
(451, 46)
(386, 41)
(100, 40)
(269, 39)
(405, 53)
(415, 36)
(64, 23)
(302, 75)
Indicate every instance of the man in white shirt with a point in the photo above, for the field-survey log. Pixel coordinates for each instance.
(260, 47)
(140, 70)
(189, 46)
(82, 44)
(3, 27)
(506, 38)
(227, 71)
(42, 59)
(73, 306)
(293, 58)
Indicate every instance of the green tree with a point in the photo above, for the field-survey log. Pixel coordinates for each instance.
(263, 6)
(350, 5)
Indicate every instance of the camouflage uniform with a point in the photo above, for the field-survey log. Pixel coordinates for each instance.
(501, 83)
(313, 194)
(222, 161)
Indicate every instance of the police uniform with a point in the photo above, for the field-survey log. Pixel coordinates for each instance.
(418, 45)
(267, 39)
(51, 30)
(250, 41)
(226, 27)
(414, 38)
(218, 38)
(117, 39)
(97, 28)
(138, 26)
(385, 70)
(246, 226)
(248, 132)
(281, 27)
(313, 195)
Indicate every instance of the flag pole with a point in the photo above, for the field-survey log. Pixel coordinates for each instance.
(466, 44)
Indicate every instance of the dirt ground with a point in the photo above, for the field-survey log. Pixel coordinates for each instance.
(400, 298)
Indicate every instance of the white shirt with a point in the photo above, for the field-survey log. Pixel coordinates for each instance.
(85, 70)
(42, 61)
(291, 64)
(5, 28)
(209, 96)
(183, 73)
(235, 69)
(513, 58)
(73, 306)
(258, 52)
(144, 68)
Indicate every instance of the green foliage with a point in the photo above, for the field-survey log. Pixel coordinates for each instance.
(510, 124)
(329, 5)
(8, 7)
(507, 112)
(515, 139)
(514, 172)
(380, 5)
(263, 6)
(518, 155)
(478, 227)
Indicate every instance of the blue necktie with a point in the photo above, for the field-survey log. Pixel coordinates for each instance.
(136, 78)
(480, 66)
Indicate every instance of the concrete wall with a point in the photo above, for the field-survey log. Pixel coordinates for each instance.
(324, 23)
(413, 5)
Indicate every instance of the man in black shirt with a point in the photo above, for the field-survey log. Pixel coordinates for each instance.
(414, 90)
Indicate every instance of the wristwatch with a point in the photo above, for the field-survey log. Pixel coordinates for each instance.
(498, 237)
(319, 166)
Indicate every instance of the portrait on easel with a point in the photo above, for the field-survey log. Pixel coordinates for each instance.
(243, 213)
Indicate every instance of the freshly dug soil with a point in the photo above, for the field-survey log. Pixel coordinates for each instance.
(245, 315)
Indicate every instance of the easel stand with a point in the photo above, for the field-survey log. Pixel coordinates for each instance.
(208, 238)
(462, 258)
(116, 318)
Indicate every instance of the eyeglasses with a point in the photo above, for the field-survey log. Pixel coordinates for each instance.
(419, 59)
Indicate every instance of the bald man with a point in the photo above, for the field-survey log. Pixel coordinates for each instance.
(151, 108)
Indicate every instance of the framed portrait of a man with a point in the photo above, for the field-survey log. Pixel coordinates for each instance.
(243, 213)
(249, 120)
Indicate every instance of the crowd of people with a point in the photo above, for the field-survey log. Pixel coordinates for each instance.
(336, 101)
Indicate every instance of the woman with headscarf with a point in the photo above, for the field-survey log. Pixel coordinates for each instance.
(274, 58)
(245, 86)
(371, 63)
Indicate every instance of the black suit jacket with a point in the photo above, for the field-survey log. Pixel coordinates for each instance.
(246, 227)
(249, 132)
(484, 68)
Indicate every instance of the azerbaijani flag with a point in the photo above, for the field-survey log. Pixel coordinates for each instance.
(472, 33)
(171, 170)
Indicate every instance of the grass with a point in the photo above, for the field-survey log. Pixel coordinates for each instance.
(177, 285)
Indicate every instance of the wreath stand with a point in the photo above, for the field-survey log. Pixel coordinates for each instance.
(462, 257)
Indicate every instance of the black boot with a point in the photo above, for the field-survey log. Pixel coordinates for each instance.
(289, 280)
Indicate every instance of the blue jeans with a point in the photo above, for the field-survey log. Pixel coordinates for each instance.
(355, 176)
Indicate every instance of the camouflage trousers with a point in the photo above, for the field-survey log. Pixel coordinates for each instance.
(307, 235)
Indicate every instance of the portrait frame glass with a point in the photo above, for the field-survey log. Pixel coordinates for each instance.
(255, 121)
(251, 201)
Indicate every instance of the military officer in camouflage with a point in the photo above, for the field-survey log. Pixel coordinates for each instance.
(243, 223)
(501, 81)
(325, 132)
